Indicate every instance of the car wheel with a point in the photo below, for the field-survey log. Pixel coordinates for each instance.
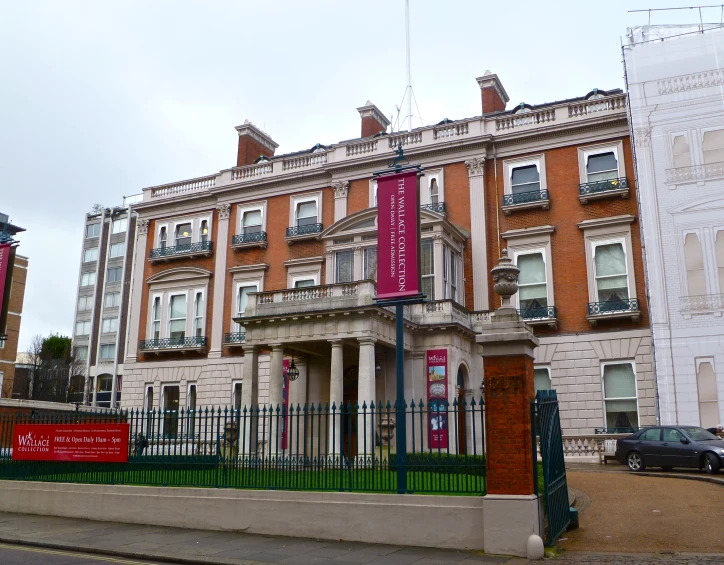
(711, 463)
(635, 461)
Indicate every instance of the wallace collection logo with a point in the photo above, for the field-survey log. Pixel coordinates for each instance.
(71, 442)
(29, 443)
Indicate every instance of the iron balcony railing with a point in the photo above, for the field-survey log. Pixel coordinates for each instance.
(525, 197)
(198, 247)
(617, 306)
(248, 238)
(235, 337)
(589, 188)
(173, 343)
(314, 447)
(438, 208)
(295, 231)
(538, 313)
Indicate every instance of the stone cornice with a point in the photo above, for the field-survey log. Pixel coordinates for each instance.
(247, 128)
(527, 232)
(605, 222)
(303, 261)
(248, 268)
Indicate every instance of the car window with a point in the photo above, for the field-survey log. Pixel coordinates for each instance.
(671, 434)
(653, 434)
(699, 434)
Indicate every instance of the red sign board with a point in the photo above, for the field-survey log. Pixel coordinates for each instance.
(5, 258)
(437, 402)
(398, 236)
(99, 443)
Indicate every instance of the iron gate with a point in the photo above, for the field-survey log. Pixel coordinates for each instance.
(554, 468)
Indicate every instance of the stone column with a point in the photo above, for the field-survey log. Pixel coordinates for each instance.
(510, 513)
(341, 188)
(478, 238)
(274, 438)
(249, 401)
(134, 306)
(217, 317)
(336, 391)
(366, 395)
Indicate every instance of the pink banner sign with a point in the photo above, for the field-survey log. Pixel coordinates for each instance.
(99, 443)
(437, 398)
(5, 258)
(398, 236)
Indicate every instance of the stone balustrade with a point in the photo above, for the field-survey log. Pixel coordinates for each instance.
(533, 118)
(591, 446)
(691, 82)
(354, 149)
(304, 161)
(704, 303)
(597, 105)
(252, 171)
(409, 138)
(193, 185)
(450, 130)
(695, 173)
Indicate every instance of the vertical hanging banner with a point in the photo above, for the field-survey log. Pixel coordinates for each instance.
(285, 405)
(437, 398)
(398, 236)
(5, 258)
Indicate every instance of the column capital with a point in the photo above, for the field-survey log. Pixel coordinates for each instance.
(277, 346)
(336, 342)
(224, 210)
(475, 166)
(143, 227)
(367, 340)
(250, 349)
(340, 188)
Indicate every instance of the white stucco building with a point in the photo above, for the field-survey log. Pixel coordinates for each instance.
(676, 88)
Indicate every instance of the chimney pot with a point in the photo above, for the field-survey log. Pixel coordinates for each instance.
(373, 121)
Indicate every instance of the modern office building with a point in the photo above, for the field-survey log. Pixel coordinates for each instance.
(103, 292)
(275, 259)
(675, 79)
(13, 271)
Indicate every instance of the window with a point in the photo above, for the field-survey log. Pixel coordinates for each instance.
(108, 351)
(373, 193)
(602, 166)
(177, 318)
(204, 231)
(170, 406)
(304, 283)
(191, 398)
(81, 352)
(344, 266)
(434, 192)
(162, 237)
(149, 398)
(611, 272)
(88, 279)
(619, 393)
(673, 435)
(114, 274)
(242, 300)
(427, 269)
(93, 230)
(653, 434)
(236, 396)
(525, 179)
(117, 250)
(445, 271)
(109, 325)
(85, 303)
(105, 383)
(542, 378)
(251, 222)
(533, 293)
(454, 277)
(682, 156)
(2, 375)
(719, 251)
(708, 397)
(306, 213)
(369, 271)
(694, 259)
(199, 315)
(119, 225)
(113, 299)
(183, 234)
(82, 328)
(713, 146)
(156, 318)
(90, 254)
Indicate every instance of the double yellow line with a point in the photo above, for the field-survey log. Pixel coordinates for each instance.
(72, 554)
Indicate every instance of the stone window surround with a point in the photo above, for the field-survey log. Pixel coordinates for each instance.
(706, 235)
(170, 225)
(190, 384)
(586, 151)
(694, 154)
(636, 382)
(296, 199)
(162, 398)
(698, 362)
(173, 282)
(250, 207)
(245, 275)
(548, 368)
(509, 164)
(232, 397)
(302, 269)
(532, 240)
(602, 231)
(425, 180)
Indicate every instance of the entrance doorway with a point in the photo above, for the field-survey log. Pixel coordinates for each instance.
(349, 412)
(462, 411)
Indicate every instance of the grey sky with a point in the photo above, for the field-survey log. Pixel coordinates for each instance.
(101, 99)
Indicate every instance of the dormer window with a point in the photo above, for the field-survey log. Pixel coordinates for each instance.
(183, 234)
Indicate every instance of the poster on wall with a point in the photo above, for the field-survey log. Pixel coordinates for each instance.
(398, 236)
(95, 443)
(437, 401)
(285, 405)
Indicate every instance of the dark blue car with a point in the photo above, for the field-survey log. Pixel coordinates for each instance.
(671, 446)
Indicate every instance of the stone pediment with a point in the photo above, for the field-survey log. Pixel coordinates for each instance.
(708, 204)
(179, 274)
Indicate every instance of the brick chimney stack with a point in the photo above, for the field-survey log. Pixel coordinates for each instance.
(253, 143)
(493, 94)
(373, 121)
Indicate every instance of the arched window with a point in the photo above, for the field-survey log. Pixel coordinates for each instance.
(708, 399)
(204, 231)
(695, 275)
(682, 156)
(713, 146)
(162, 237)
(434, 192)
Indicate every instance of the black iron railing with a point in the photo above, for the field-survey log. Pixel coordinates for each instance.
(624, 430)
(248, 238)
(438, 208)
(306, 448)
(294, 231)
(525, 197)
(613, 306)
(538, 313)
(235, 337)
(588, 188)
(198, 247)
(173, 343)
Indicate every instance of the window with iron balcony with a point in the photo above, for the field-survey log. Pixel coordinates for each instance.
(176, 321)
(306, 215)
(602, 172)
(180, 238)
(525, 184)
(251, 230)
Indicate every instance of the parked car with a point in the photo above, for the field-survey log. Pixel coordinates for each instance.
(671, 446)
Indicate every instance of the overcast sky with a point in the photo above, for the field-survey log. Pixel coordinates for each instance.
(101, 99)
